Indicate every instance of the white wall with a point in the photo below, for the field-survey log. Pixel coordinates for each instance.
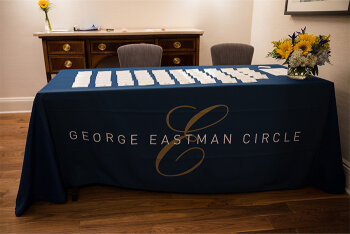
(22, 71)
(269, 24)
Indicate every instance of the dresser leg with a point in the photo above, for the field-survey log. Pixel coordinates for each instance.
(48, 77)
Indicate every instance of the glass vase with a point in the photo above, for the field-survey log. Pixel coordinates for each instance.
(47, 23)
(47, 28)
(299, 73)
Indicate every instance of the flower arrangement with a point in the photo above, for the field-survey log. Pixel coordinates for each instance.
(45, 6)
(302, 52)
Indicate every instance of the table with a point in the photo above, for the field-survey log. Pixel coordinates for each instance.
(91, 49)
(276, 133)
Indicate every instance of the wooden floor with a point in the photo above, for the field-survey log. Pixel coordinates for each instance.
(110, 209)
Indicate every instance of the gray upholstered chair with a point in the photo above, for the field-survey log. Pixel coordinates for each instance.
(232, 54)
(140, 55)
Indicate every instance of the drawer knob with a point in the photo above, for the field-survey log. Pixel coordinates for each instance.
(177, 60)
(66, 47)
(102, 46)
(177, 44)
(68, 64)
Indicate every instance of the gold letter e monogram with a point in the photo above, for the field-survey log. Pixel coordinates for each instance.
(187, 129)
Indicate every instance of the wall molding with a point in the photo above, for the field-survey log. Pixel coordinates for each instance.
(16, 105)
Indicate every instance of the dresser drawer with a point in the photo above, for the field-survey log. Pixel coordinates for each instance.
(178, 44)
(178, 59)
(65, 47)
(111, 46)
(66, 62)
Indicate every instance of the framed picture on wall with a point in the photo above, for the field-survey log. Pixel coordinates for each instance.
(317, 7)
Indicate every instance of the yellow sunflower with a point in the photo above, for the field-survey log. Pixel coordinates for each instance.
(308, 37)
(284, 49)
(43, 4)
(304, 46)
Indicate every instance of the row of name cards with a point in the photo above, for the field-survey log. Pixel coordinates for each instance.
(168, 77)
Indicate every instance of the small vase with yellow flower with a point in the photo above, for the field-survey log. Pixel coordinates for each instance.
(303, 53)
(45, 6)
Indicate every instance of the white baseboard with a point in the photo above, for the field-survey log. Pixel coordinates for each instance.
(16, 105)
(347, 175)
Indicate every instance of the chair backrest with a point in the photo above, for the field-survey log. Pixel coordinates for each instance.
(232, 54)
(140, 55)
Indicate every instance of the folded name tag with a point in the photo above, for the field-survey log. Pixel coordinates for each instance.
(182, 77)
(276, 71)
(103, 79)
(82, 79)
(124, 78)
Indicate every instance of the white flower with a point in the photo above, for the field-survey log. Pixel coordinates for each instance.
(297, 59)
(303, 61)
(311, 60)
(322, 57)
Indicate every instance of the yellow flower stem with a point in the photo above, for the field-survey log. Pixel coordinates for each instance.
(48, 20)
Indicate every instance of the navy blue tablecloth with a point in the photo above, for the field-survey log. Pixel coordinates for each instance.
(277, 133)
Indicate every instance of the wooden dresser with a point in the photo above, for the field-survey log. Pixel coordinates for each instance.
(75, 50)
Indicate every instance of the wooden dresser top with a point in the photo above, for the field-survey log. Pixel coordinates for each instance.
(121, 32)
